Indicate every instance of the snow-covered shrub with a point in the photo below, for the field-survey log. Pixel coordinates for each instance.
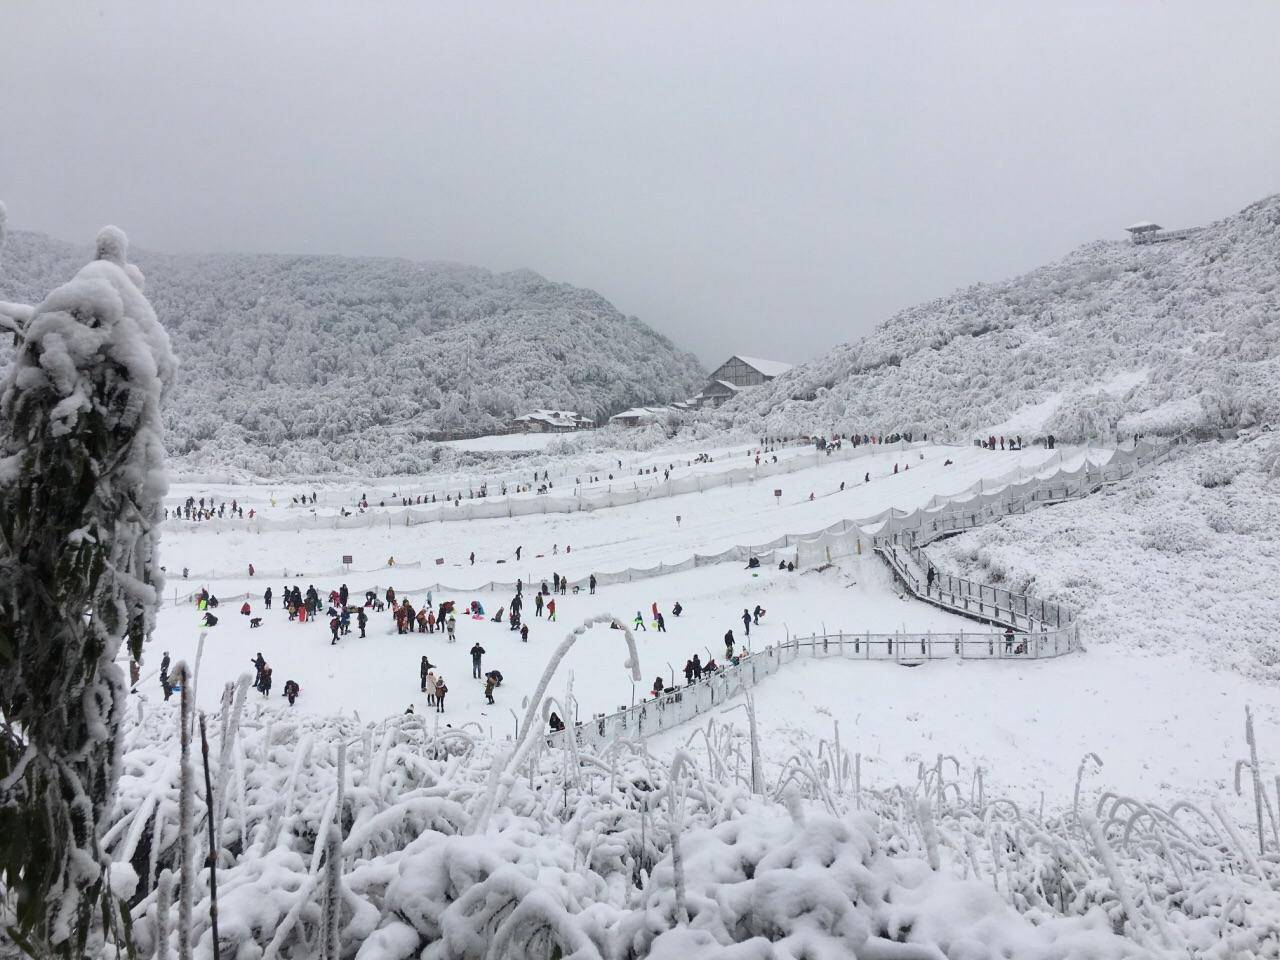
(1219, 469)
(1176, 535)
(579, 859)
(1143, 488)
(1169, 418)
(1087, 416)
(1271, 459)
(81, 483)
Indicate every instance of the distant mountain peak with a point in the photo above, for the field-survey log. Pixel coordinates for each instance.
(307, 364)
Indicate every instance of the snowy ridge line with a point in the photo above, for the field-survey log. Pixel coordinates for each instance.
(495, 508)
(979, 503)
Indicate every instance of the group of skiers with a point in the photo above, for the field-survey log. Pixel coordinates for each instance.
(695, 670)
(864, 439)
(302, 606)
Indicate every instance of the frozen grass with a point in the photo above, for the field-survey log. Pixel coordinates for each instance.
(579, 858)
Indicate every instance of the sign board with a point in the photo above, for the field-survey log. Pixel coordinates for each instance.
(778, 494)
(439, 561)
(346, 559)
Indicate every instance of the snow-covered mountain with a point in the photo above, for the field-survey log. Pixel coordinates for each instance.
(1113, 338)
(307, 364)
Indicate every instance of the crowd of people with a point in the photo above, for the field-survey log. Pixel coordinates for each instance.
(196, 509)
(342, 614)
(309, 605)
(1009, 443)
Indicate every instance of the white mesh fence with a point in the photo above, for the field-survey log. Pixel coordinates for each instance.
(985, 501)
(619, 493)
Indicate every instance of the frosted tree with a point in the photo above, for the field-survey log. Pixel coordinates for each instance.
(12, 315)
(81, 481)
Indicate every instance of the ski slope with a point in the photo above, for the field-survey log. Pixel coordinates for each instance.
(637, 535)
(1163, 728)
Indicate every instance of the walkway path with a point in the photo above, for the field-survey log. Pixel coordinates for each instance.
(1044, 629)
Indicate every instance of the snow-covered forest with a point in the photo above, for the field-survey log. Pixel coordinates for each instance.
(1184, 335)
(310, 365)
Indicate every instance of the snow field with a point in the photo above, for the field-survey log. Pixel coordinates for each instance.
(583, 858)
(379, 676)
(509, 441)
(1028, 722)
(1165, 728)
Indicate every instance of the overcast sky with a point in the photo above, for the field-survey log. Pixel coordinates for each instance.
(769, 179)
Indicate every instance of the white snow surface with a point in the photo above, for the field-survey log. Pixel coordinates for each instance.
(1159, 701)
(624, 856)
(510, 441)
(1006, 717)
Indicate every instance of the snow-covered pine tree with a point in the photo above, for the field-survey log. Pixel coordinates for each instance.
(81, 481)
